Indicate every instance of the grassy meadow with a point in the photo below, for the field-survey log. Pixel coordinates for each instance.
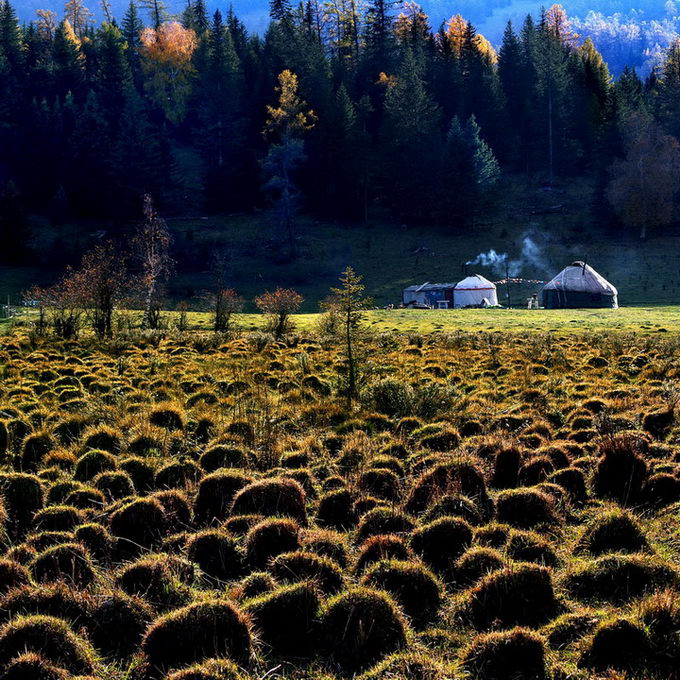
(492, 505)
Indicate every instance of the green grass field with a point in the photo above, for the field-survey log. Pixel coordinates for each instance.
(644, 320)
(388, 254)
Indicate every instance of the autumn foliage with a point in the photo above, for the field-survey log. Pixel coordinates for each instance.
(278, 306)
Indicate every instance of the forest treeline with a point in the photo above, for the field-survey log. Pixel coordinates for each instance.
(347, 112)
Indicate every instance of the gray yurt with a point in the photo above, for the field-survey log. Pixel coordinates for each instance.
(579, 285)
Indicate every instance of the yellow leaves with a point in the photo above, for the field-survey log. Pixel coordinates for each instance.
(167, 53)
(70, 34)
(387, 81)
(289, 117)
(456, 28)
(486, 49)
(170, 44)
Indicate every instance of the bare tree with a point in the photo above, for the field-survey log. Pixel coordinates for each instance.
(152, 246)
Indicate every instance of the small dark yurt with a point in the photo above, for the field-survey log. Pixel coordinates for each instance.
(579, 286)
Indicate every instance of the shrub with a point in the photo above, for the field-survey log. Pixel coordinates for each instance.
(23, 497)
(114, 485)
(572, 480)
(85, 498)
(57, 518)
(307, 566)
(520, 595)
(118, 624)
(661, 490)
(616, 644)
(141, 474)
(528, 546)
(391, 396)
(96, 539)
(452, 505)
(196, 632)
(217, 554)
(222, 456)
(285, 619)
(441, 543)
(493, 535)
(335, 509)
(103, 438)
(50, 637)
(90, 464)
(140, 523)
(476, 563)
(517, 654)
(57, 599)
(270, 538)
(525, 508)
(381, 483)
(4, 438)
(12, 575)
(327, 544)
(255, 584)
(361, 626)
(378, 548)
(67, 562)
(35, 447)
(612, 531)
(569, 628)
(152, 578)
(272, 497)
(382, 520)
(216, 492)
(178, 475)
(32, 666)
(451, 477)
(176, 506)
(416, 589)
(506, 468)
(168, 416)
(619, 578)
(213, 669)
(411, 665)
(621, 470)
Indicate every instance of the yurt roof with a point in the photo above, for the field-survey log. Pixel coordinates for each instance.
(475, 282)
(581, 278)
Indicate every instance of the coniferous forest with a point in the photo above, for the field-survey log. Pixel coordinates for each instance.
(334, 111)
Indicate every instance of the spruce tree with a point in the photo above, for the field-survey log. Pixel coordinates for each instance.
(132, 27)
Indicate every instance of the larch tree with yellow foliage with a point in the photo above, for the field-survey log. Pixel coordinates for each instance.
(166, 62)
(286, 125)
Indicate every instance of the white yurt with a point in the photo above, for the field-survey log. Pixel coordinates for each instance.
(475, 291)
(579, 285)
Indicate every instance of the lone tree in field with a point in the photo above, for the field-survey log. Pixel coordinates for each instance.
(286, 123)
(223, 300)
(152, 245)
(643, 185)
(349, 303)
(278, 306)
(97, 286)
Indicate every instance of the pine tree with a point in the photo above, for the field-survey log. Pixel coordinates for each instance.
(280, 10)
(69, 74)
(113, 77)
(668, 90)
(219, 92)
(286, 124)
(410, 137)
(132, 27)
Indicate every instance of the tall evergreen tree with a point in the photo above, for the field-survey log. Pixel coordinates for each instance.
(132, 27)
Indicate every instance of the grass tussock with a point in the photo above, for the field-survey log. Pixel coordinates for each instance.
(197, 508)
